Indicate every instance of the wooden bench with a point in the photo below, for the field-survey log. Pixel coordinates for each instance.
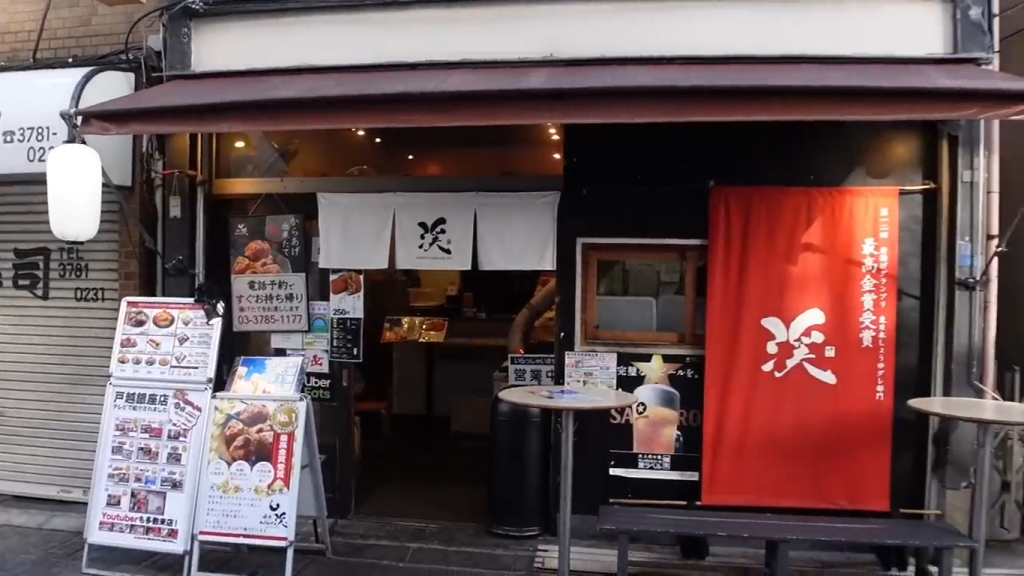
(777, 530)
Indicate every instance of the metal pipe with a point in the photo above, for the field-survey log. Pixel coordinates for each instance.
(991, 293)
(540, 303)
(565, 499)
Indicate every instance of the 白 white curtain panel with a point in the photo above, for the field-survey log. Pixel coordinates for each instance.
(516, 231)
(434, 231)
(355, 230)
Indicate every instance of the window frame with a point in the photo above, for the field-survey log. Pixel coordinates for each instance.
(590, 250)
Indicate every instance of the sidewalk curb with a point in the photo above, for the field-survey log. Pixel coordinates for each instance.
(43, 520)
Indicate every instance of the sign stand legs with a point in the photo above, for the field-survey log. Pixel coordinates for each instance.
(289, 562)
(98, 572)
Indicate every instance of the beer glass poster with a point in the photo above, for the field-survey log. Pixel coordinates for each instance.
(655, 446)
(146, 467)
(249, 486)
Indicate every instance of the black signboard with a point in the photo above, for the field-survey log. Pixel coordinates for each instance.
(267, 244)
(346, 339)
(655, 447)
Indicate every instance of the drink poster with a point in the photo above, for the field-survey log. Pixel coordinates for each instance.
(147, 466)
(249, 484)
(655, 446)
(164, 339)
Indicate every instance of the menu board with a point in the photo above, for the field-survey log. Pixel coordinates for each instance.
(249, 484)
(346, 340)
(164, 339)
(147, 465)
(267, 375)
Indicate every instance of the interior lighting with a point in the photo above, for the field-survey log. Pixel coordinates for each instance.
(377, 140)
(556, 156)
(360, 132)
(556, 137)
(410, 156)
(239, 143)
(552, 130)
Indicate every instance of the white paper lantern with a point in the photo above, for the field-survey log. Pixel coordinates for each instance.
(74, 192)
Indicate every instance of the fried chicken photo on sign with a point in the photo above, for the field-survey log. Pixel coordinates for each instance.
(233, 431)
(264, 442)
(266, 266)
(242, 265)
(257, 250)
(242, 449)
(254, 414)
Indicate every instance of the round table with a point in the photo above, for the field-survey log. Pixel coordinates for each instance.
(567, 401)
(986, 414)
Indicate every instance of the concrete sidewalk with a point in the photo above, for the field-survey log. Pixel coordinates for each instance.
(40, 538)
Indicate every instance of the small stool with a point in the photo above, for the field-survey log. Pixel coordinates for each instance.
(380, 407)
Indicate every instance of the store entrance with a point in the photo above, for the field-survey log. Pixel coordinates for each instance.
(434, 343)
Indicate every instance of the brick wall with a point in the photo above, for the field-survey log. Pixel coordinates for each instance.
(79, 28)
(73, 28)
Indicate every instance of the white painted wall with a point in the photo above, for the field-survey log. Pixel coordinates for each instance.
(554, 30)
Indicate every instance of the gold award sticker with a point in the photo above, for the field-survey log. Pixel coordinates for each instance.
(285, 418)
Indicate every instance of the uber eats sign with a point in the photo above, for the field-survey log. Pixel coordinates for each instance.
(320, 387)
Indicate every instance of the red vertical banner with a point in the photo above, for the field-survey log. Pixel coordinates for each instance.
(800, 345)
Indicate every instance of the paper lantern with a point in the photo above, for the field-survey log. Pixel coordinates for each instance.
(74, 192)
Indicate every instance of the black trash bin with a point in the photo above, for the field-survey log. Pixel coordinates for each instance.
(518, 485)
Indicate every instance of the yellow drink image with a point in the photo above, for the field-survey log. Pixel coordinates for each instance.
(655, 419)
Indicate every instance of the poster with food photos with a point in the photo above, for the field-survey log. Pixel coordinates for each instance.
(147, 466)
(164, 339)
(249, 484)
(267, 244)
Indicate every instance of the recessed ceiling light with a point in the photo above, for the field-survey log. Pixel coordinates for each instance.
(410, 156)
(360, 132)
(239, 143)
(376, 140)
(556, 156)
(552, 130)
(556, 137)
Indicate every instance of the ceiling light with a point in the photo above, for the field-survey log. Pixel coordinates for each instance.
(556, 156)
(377, 140)
(556, 137)
(552, 130)
(410, 156)
(239, 143)
(360, 132)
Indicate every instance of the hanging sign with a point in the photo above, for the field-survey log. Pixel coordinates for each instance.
(801, 314)
(655, 445)
(147, 466)
(164, 339)
(269, 303)
(531, 369)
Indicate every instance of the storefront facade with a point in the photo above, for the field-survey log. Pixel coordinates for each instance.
(641, 150)
(58, 302)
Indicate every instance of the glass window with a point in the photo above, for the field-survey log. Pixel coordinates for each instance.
(643, 293)
(452, 152)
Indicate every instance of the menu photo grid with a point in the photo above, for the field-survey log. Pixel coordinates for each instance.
(163, 339)
(146, 464)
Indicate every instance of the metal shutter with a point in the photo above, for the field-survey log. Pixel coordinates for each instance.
(54, 352)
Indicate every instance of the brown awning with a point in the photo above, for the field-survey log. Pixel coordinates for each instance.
(570, 94)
